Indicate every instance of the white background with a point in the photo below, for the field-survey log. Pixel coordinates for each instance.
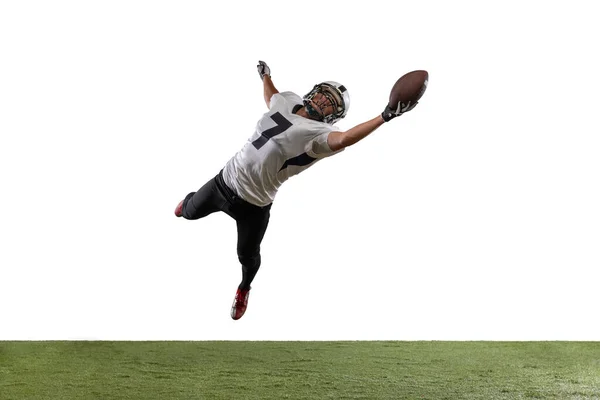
(473, 217)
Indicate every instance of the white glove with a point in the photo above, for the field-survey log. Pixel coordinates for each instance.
(263, 69)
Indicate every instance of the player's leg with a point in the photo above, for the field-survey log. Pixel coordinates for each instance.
(251, 230)
(208, 199)
(252, 223)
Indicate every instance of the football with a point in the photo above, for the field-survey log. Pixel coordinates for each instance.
(409, 88)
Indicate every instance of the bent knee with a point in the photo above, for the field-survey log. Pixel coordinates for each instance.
(250, 260)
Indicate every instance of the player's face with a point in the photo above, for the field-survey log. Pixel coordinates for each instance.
(322, 104)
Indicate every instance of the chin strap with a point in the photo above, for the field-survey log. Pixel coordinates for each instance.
(296, 108)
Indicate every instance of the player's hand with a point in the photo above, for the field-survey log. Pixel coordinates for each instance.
(263, 69)
(390, 113)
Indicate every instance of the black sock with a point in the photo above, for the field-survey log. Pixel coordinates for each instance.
(248, 275)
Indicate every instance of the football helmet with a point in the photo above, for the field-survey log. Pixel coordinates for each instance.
(336, 93)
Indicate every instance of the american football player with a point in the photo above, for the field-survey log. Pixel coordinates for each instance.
(292, 136)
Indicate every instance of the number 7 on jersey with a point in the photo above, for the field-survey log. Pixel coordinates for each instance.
(282, 125)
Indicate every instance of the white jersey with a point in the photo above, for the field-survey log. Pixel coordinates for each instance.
(283, 145)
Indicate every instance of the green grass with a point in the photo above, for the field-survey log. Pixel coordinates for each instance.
(299, 370)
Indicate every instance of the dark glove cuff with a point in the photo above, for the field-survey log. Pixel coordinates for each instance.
(387, 115)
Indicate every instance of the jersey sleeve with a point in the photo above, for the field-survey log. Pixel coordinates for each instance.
(318, 147)
(285, 101)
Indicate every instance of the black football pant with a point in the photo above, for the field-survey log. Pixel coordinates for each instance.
(251, 220)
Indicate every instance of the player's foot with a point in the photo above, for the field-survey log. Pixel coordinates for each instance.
(240, 302)
(179, 209)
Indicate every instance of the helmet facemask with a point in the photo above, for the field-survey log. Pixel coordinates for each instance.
(335, 98)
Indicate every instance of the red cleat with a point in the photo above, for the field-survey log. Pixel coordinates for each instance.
(179, 209)
(240, 302)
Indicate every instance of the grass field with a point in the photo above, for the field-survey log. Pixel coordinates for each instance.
(299, 370)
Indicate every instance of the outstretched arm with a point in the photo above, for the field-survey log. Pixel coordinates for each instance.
(339, 140)
(268, 88)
